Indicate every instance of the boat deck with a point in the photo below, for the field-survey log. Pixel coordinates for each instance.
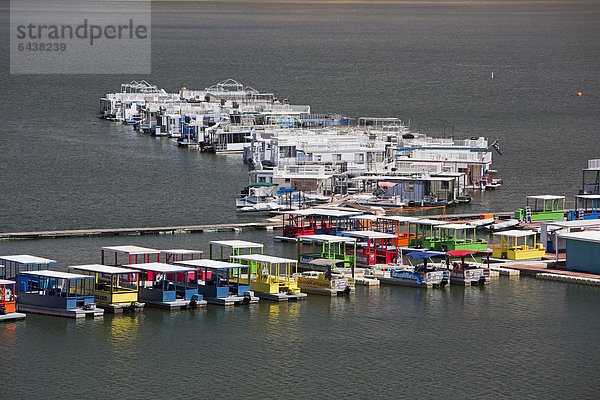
(72, 313)
(174, 305)
(120, 308)
(231, 300)
(282, 296)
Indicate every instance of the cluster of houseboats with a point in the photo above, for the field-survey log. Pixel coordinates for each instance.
(300, 159)
(336, 249)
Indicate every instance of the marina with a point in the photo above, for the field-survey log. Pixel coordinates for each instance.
(452, 112)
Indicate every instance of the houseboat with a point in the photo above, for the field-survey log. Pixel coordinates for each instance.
(274, 278)
(11, 266)
(8, 301)
(173, 255)
(116, 288)
(132, 255)
(425, 234)
(455, 237)
(57, 293)
(168, 286)
(330, 247)
(587, 206)
(228, 283)
(297, 223)
(316, 221)
(399, 226)
(541, 208)
(469, 272)
(221, 250)
(425, 274)
(376, 247)
(363, 222)
(327, 282)
(513, 245)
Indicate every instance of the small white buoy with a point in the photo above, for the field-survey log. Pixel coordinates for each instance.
(492, 75)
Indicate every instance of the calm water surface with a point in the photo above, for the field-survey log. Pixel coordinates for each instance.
(62, 168)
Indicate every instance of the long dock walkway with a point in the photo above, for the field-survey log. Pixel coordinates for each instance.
(138, 231)
(273, 223)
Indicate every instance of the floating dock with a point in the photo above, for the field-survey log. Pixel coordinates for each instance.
(161, 230)
(282, 296)
(175, 305)
(231, 300)
(70, 313)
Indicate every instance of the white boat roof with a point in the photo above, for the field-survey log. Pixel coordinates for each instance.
(323, 212)
(180, 251)
(576, 223)
(399, 218)
(238, 244)
(515, 233)
(6, 282)
(214, 264)
(325, 238)
(586, 236)
(56, 274)
(588, 196)
(103, 269)
(263, 258)
(546, 197)
(159, 267)
(426, 221)
(366, 217)
(26, 259)
(131, 250)
(370, 234)
(456, 227)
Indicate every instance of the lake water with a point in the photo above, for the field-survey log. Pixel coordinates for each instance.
(62, 168)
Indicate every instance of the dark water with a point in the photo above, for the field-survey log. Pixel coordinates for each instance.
(62, 168)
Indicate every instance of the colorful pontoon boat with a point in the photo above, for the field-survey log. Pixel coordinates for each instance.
(513, 245)
(168, 286)
(116, 288)
(274, 278)
(8, 301)
(57, 293)
(327, 282)
(425, 274)
(229, 283)
(469, 272)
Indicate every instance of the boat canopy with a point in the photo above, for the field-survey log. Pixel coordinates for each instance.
(262, 184)
(325, 262)
(370, 234)
(159, 267)
(285, 190)
(131, 250)
(238, 244)
(180, 252)
(325, 238)
(516, 233)
(462, 253)
(212, 264)
(104, 269)
(387, 184)
(26, 259)
(423, 255)
(262, 258)
(398, 218)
